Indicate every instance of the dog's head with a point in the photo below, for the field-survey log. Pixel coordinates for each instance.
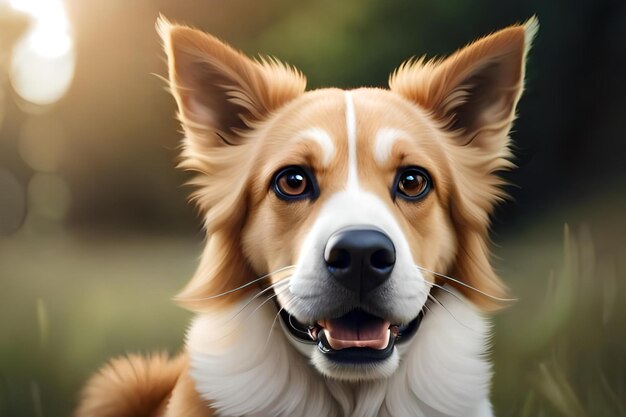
(355, 203)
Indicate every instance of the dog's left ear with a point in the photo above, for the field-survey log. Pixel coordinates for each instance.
(474, 91)
(473, 94)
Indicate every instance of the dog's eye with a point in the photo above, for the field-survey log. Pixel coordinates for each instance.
(413, 183)
(293, 183)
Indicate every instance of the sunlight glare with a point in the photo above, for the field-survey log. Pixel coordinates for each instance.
(43, 61)
(40, 79)
(46, 12)
(50, 43)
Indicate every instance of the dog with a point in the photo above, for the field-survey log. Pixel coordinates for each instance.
(346, 270)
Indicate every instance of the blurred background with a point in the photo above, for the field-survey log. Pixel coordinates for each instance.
(96, 235)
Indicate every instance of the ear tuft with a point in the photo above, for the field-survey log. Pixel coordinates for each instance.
(163, 27)
(531, 27)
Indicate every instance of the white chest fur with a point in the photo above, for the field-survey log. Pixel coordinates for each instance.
(243, 370)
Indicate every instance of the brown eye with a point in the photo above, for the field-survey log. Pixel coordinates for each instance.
(293, 183)
(413, 183)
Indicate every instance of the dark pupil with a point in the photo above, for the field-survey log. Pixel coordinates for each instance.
(410, 181)
(294, 180)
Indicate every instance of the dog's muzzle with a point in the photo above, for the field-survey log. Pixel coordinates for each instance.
(361, 259)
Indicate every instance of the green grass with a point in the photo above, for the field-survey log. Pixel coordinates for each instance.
(561, 352)
(69, 302)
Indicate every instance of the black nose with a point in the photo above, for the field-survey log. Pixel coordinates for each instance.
(360, 259)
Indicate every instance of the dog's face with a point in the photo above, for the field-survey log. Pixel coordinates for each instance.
(353, 202)
(352, 189)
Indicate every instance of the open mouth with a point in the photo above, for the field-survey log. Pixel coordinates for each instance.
(356, 337)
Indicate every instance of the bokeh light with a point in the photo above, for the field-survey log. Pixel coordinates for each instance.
(12, 203)
(41, 143)
(48, 202)
(95, 234)
(2, 104)
(43, 61)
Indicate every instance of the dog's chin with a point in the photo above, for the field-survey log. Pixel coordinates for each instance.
(353, 371)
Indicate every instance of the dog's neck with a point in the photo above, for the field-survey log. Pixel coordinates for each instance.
(244, 365)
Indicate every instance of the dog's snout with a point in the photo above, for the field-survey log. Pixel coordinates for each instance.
(361, 259)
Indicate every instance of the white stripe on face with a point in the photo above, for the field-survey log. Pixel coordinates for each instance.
(353, 180)
(385, 139)
(322, 138)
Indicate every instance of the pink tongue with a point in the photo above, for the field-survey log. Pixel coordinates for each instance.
(373, 333)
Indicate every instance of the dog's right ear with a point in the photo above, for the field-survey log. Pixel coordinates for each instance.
(221, 92)
(222, 95)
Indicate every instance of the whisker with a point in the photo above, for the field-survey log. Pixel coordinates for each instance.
(428, 309)
(211, 297)
(294, 327)
(235, 329)
(270, 287)
(427, 294)
(266, 300)
(467, 285)
(269, 335)
(441, 287)
(450, 313)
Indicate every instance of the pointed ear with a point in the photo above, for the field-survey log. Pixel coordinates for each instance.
(219, 90)
(221, 96)
(474, 91)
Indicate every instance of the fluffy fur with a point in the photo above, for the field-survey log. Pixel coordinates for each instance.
(139, 385)
(441, 370)
(245, 120)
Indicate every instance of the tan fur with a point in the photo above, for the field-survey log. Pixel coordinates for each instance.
(186, 401)
(481, 120)
(132, 386)
(236, 93)
(240, 118)
(266, 231)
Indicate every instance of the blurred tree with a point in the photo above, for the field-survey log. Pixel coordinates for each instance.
(122, 133)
